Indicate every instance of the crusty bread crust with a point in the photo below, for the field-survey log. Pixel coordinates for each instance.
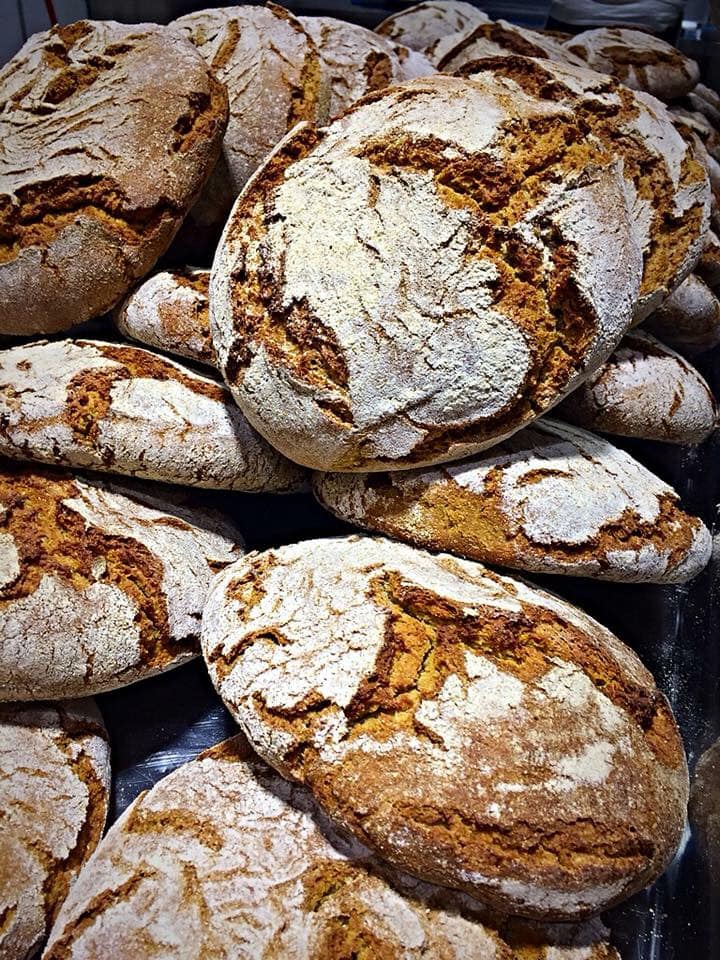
(494, 39)
(472, 730)
(54, 792)
(689, 320)
(420, 26)
(108, 133)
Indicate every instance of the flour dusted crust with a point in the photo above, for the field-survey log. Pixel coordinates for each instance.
(271, 69)
(120, 409)
(704, 809)
(551, 499)
(701, 126)
(640, 60)
(689, 320)
(470, 729)
(704, 100)
(470, 248)
(494, 39)
(171, 311)
(54, 789)
(100, 584)
(226, 856)
(355, 61)
(708, 267)
(644, 390)
(668, 188)
(108, 133)
(420, 26)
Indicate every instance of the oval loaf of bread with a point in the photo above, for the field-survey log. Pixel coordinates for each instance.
(551, 499)
(171, 311)
(419, 26)
(54, 791)
(117, 408)
(708, 267)
(471, 250)
(108, 131)
(644, 390)
(100, 584)
(493, 39)
(640, 60)
(474, 731)
(689, 320)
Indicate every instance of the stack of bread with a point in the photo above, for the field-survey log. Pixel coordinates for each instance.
(417, 261)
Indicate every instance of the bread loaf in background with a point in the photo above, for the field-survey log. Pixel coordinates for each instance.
(419, 26)
(689, 320)
(493, 39)
(708, 266)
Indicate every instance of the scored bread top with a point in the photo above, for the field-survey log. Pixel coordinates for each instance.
(54, 791)
(120, 409)
(421, 25)
(496, 39)
(640, 60)
(171, 311)
(552, 499)
(689, 320)
(100, 584)
(472, 730)
(108, 133)
(644, 390)
(470, 247)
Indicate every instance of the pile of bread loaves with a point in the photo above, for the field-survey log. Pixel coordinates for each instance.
(423, 240)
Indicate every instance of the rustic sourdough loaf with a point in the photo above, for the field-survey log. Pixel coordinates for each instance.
(226, 830)
(421, 25)
(496, 39)
(708, 266)
(355, 61)
(54, 789)
(551, 499)
(171, 311)
(117, 408)
(668, 187)
(108, 133)
(644, 390)
(422, 278)
(639, 59)
(689, 320)
(100, 584)
(472, 730)
(704, 810)
(706, 101)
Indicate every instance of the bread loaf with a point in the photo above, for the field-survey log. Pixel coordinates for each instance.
(419, 26)
(54, 790)
(644, 390)
(551, 499)
(689, 320)
(108, 133)
(472, 730)
(470, 249)
(493, 39)
(708, 267)
(101, 584)
(667, 185)
(116, 408)
(706, 101)
(704, 810)
(171, 311)
(641, 60)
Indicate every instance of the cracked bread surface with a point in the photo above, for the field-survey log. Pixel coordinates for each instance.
(54, 790)
(101, 584)
(668, 188)
(689, 319)
(638, 59)
(497, 38)
(470, 729)
(551, 499)
(644, 390)
(171, 311)
(441, 237)
(109, 131)
(420, 26)
(225, 859)
(120, 409)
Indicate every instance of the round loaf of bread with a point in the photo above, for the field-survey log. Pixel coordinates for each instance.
(171, 311)
(471, 249)
(225, 830)
(645, 390)
(355, 61)
(641, 60)
(668, 187)
(473, 731)
(704, 809)
(705, 100)
(419, 26)
(108, 133)
(689, 320)
(551, 499)
(54, 790)
(708, 266)
(100, 584)
(120, 409)
(493, 39)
